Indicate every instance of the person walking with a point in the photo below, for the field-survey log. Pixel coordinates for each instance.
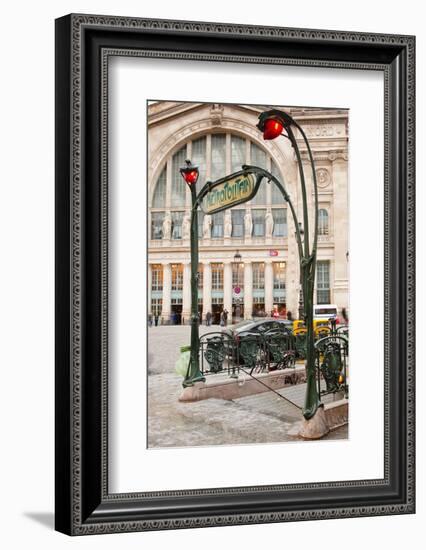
(208, 318)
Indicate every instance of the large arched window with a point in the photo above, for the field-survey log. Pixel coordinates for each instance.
(323, 222)
(216, 155)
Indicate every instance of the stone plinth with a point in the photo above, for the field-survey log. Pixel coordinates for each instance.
(230, 388)
(329, 417)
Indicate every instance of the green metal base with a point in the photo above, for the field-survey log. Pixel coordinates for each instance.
(198, 377)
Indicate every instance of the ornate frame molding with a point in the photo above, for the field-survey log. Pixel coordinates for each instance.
(83, 503)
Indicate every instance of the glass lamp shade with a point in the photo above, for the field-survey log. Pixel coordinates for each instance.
(272, 128)
(190, 177)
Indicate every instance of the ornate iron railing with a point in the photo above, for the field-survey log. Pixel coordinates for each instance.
(332, 364)
(250, 351)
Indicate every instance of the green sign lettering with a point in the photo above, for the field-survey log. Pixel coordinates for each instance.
(229, 192)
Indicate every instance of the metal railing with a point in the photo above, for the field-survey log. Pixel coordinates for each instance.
(255, 353)
(250, 351)
(332, 364)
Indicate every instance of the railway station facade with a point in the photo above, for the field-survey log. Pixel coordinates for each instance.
(248, 261)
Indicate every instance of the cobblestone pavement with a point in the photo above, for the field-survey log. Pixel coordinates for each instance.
(262, 418)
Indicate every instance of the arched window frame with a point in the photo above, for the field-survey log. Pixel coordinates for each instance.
(205, 142)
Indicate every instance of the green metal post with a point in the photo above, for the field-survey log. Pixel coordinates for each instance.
(307, 270)
(272, 123)
(194, 374)
(312, 400)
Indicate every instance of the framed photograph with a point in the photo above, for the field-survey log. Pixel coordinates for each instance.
(234, 274)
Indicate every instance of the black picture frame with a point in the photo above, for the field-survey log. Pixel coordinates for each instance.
(83, 45)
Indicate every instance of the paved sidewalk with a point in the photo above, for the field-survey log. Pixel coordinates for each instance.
(262, 418)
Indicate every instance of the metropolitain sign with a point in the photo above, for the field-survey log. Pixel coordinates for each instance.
(230, 191)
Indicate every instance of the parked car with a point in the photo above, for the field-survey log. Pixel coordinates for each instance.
(259, 326)
(250, 347)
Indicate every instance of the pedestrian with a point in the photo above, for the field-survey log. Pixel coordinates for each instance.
(289, 316)
(225, 317)
(222, 319)
(156, 320)
(208, 318)
(345, 315)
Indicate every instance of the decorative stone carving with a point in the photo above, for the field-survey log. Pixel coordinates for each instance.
(216, 114)
(269, 223)
(338, 155)
(248, 223)
(186, 226)
(324, 130)
(228, 224)
(167, 226)
(207, 227)
(319, 130)
(323, 177)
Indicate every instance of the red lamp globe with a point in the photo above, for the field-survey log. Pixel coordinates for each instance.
(189, 173)
(272, 128)
(191, 177)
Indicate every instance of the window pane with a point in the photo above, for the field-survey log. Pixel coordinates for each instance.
(157, 277)
(217, 225)
(280, 222)
(217, 276)
(178, 183)
(276, 195)
(177, 276)
(258, 158)
(279, 275)
(159, 200)
(238, 153)
(322, 222)
(237, 223)
(237, 275)
(198, 158)
(258, 275)
(258, 217)
(157, 219)
(177, 218)
(156, 306)
(323, 282)
(218, 156)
